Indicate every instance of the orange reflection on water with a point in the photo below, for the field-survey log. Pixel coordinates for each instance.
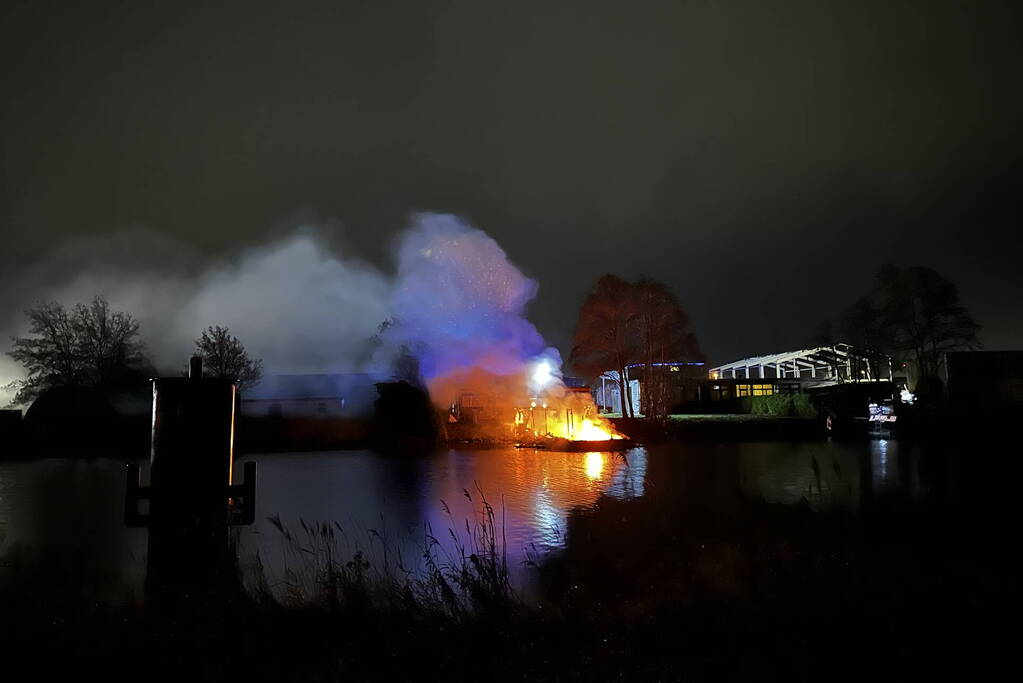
(536, 489)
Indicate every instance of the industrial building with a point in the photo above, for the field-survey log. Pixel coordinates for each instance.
(791, 372)
(823, 364)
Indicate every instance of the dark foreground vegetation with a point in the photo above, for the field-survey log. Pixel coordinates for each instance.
(688, 582)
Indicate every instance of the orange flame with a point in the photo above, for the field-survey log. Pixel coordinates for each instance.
(572, 416)
(591, 431)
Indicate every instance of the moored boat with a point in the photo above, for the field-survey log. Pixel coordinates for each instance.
(578, 445)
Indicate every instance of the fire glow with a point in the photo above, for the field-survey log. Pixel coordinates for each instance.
(555, 411)
(459, 306)
(591, 431)
(562, 423)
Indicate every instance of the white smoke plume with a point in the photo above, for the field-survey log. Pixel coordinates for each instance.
(293, 302)
(301, 306)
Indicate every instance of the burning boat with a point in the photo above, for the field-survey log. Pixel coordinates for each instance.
(545, 411)
(459, 326)
(553, 426)
(553, 443)
(562, 416)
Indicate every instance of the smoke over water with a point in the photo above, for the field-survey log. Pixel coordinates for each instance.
(455, 301)
(459, 306)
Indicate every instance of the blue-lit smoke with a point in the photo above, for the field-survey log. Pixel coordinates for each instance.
(459, 303)
(300, 305)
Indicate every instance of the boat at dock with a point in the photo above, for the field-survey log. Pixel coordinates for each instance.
(578, 445)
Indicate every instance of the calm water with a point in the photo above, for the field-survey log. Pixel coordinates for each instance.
(70, 511)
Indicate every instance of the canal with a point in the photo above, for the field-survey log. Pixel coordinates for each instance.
(66, 514)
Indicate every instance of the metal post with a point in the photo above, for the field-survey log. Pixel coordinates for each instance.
(192, 498)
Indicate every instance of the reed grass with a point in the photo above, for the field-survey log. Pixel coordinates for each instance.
(324, 566)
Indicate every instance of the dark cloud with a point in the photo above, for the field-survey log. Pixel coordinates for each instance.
(762, 158)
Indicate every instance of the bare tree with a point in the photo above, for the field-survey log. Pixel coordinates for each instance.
(603, 337)
(108, 340)
(86, 345)
(914, 314)
(664, 335)
(224, 356)
(623, 323)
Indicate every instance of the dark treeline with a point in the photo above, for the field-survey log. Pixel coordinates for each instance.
(91, 345)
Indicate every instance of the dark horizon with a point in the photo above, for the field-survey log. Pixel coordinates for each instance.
(761, 161)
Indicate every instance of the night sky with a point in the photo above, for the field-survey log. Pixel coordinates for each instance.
(763, 158)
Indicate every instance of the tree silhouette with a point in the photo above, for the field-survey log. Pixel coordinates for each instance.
(108, 340)
(663, 334)
(404, 360)
(603, 339)
(86, 345)
(622, 323)
(224, 356)
(915, 315)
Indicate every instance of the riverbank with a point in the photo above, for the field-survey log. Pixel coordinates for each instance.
(721, 427)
